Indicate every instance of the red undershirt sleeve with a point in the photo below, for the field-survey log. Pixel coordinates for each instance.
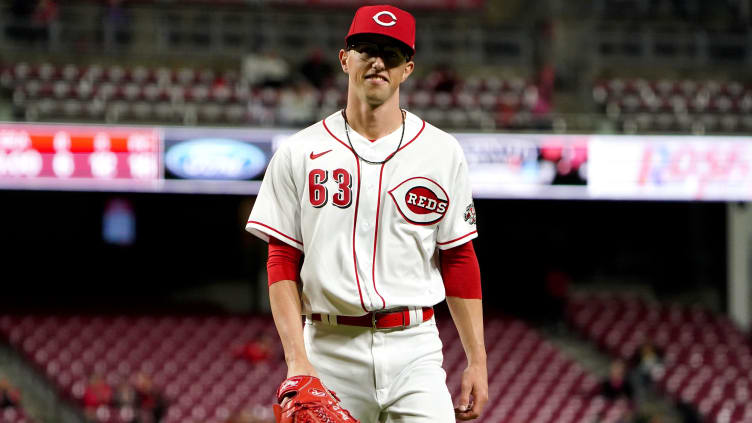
(283, 263)
(460, 271)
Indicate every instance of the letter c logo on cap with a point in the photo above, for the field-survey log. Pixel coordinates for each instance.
(377, 18)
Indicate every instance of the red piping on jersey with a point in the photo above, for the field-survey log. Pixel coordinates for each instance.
(375, 238)
(269, 227)
(323, 121)
(456, 239)
(416, 136)
(355, 224)
(357, 201)
(355, 219)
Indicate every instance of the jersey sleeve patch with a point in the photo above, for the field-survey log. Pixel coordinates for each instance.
(470, 216)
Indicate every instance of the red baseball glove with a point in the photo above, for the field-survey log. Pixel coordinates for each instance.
(310, 402)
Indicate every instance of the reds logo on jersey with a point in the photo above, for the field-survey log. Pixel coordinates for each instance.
(420, 200)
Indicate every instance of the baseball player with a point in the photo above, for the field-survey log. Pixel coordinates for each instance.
(378, 202)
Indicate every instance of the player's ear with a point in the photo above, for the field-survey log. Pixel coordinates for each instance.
(343, 60)
(409, 68)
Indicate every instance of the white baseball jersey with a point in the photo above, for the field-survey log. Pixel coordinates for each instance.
(369, 232)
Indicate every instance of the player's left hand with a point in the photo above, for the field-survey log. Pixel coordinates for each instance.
(309, 401)
(474, 392)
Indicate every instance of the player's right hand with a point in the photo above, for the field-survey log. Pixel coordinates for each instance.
(474, 393)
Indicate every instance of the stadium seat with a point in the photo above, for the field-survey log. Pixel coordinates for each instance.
(706, 358)
(70, 73)
(121, 91)
(697, 105)
(191, 362)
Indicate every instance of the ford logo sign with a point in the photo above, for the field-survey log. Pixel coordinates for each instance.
(215, 158)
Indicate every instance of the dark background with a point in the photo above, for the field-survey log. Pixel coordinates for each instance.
(53, 253)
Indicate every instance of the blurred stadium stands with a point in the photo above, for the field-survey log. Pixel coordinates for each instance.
(138, 94)
(191, 361)
(601, 66)
(521, 66)
(706, 358)
(670, 105)
(15, 415)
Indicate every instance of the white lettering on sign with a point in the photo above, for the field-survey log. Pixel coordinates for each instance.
(667, 167)
(103, 165)
(62, 141)
(14, 140)
(102, 142)
(142, 165)
(20, 163)
(62, 164)
(139, 143)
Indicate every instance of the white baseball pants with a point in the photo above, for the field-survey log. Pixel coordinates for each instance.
(383, 376)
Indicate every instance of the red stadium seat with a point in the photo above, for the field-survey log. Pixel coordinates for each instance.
(61, 89)
(22, 71)
(115, 74)
(70, 73)
(47, 72)
(206, 76)
(700, 365)
(186, 76)
(93, 73)
(140, 75)
(131, 91)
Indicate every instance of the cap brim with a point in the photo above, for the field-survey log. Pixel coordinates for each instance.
(386, 37)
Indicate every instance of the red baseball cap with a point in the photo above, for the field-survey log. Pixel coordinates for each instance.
(385, 20)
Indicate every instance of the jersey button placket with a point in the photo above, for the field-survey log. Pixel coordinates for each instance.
(365, 231)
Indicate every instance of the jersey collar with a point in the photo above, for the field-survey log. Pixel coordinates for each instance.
(381, 148)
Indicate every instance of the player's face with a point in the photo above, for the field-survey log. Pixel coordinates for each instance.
(376, 68)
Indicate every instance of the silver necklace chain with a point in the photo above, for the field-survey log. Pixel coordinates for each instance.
(347, 133)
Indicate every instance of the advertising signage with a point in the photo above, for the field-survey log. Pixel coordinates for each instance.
(217, 160)
(217, 154)
(503, 166)
(671, 168)
(60, 156)
(526, 165)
